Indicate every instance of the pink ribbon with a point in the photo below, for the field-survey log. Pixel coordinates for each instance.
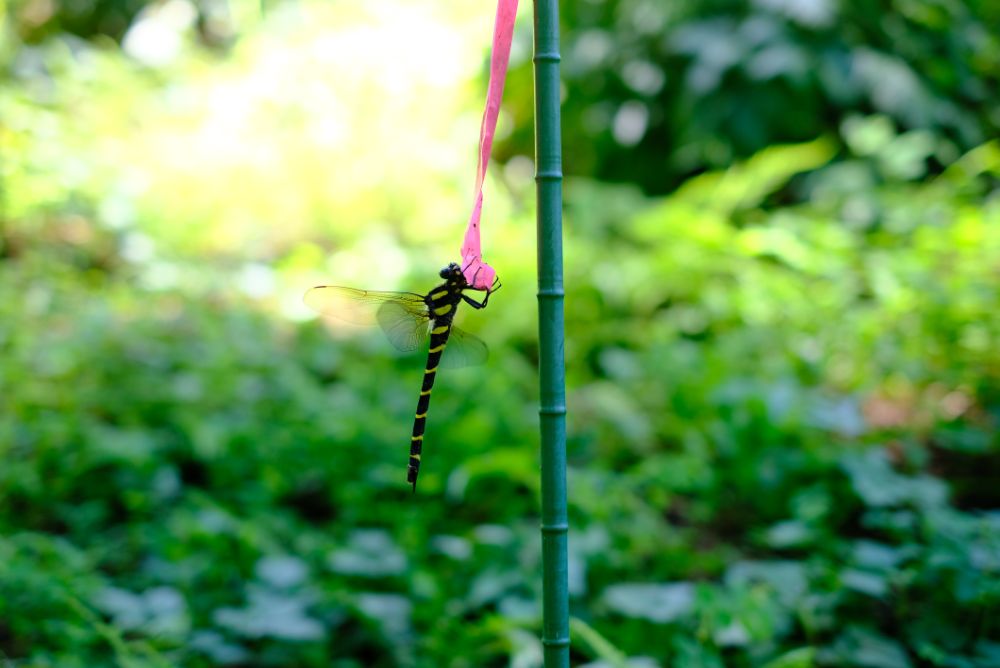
(479, 274)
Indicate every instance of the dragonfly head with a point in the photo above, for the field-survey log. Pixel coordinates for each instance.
(452, 272)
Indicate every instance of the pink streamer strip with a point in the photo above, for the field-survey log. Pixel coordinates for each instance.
(479, 274)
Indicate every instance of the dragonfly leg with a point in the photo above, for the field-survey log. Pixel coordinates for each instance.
(493, 288)
(473, 303)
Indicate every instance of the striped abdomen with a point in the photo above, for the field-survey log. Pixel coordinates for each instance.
(439, 338)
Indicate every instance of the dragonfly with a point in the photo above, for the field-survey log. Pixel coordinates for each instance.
(408, 319)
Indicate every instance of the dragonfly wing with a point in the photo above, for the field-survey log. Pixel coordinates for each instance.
(463, 350)
(360, 307)
(405, 327)
(403, 316)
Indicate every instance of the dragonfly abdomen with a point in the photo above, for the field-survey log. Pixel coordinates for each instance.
(439, 339)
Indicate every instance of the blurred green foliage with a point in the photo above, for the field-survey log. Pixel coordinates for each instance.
(657, 91)
(783, 380)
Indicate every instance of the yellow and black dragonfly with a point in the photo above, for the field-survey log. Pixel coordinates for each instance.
(408, 319)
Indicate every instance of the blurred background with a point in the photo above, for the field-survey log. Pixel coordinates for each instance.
(782, 263)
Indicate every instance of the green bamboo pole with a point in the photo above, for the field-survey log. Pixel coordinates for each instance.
(552, 377)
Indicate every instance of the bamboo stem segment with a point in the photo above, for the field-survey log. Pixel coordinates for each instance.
(552, 409)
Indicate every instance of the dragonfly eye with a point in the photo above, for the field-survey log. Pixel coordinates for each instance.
(451, 271)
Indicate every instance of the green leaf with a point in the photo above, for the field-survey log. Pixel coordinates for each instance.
(786, 578)
(369, 553)
(597, 644)
(659, 603)
(859, 646)
(880, 486)
(803, 657)
(865, 582)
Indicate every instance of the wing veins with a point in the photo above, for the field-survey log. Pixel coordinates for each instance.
(360, 307)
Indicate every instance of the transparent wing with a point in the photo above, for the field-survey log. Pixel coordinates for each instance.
(402, 316)
(404, 328)
(464, 349)
(361, 307)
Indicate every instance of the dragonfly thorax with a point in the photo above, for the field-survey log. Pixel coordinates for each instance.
(443, 301)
